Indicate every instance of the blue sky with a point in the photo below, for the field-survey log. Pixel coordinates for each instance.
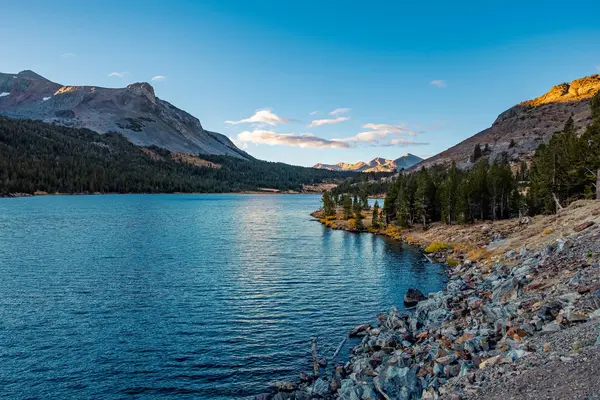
(415, 77)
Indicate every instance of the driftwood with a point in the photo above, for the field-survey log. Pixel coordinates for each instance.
(598, 184)
(315, 357)
(339, 348)
(558, 206)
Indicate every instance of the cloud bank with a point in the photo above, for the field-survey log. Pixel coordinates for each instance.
(158, 78)
(303, 140)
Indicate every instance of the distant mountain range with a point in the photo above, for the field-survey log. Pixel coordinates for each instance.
(134, 111)
(376, 165)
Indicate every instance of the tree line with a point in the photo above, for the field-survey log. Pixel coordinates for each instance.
(36, 156)
(564, 170)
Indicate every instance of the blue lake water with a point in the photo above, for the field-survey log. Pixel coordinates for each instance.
(187, 296)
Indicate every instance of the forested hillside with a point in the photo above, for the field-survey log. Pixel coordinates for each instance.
(35, 156)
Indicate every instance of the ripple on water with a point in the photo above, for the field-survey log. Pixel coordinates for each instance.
(187, 296)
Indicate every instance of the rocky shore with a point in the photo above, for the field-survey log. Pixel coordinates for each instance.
(519, 318)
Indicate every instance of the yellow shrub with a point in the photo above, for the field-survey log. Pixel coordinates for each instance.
(391, 230)
(476, 254)
(452, 262)
(436, 247)
(548, 231)
(330, 218)
(352, 223)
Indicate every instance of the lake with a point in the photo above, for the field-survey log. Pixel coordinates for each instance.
(187, 296)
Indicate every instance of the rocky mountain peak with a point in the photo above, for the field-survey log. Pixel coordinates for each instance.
(143, 89)
(576, 90)
(30, 74)
(133, 111)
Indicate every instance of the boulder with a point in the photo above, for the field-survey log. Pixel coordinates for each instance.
(359, 330)
(413, 296)
(283, 386)
(398, 383)
(583, 226)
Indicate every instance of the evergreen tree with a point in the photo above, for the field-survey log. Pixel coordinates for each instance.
(347, 204)
(424, 197)
(328, 204)
(477, 153)
(364, 199)
(375, 219)
(356, 208)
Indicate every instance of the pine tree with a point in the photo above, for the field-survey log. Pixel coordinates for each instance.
(477, 153)
(328, 204)
(375, 218)
(347, 204)
(356, 208)
(424, 197)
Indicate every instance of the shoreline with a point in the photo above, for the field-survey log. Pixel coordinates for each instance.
(25, 195)
(522, 302)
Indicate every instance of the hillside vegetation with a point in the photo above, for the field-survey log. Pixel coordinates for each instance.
(35, 156)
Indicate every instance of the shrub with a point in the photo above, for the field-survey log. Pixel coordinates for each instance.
(452, 262)
(437, 247)
(548, 231)
(352, 224)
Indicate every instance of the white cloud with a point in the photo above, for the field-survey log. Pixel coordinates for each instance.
(158, 78)
(405, 142)
(320, 122)
(4, 94)
(119, 74)
(439, 83)
(390, 128)
(379, 133)
(304, 140)
(68, 55)
(46, 98)
(261, 117)
(313, 113)
(339, 111)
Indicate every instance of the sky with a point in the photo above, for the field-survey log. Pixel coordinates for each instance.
(309, 81)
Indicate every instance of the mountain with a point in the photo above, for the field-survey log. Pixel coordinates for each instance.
(134, 111)
(376, 165)
(519, 130)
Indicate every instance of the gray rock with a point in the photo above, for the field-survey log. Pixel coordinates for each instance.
(359, 330)
(352, 390)
(552, 327)
(320, 387)
(398, 383)
(413, 296)
(283, 386)
(506, 290)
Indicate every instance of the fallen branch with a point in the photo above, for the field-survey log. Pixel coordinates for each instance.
(315, 357)
(339, 348)
(558, 206)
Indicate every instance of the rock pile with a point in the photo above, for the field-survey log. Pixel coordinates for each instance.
(489, 318)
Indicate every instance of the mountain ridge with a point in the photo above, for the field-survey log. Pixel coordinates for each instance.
(519, 130)
(134, 111)
(377, 164)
